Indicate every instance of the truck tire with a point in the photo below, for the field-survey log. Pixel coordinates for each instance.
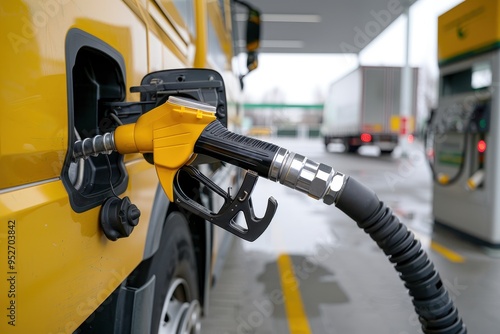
(176, 306)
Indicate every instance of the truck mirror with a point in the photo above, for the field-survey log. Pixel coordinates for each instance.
(252, 35)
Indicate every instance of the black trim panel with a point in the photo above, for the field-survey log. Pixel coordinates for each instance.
(97, 171)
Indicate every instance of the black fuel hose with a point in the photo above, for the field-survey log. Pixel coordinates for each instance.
(466, 135)
(436, 311)
(461, 167)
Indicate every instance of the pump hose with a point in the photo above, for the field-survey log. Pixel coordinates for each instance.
(436, 311)
(461, 167)
(432, 303)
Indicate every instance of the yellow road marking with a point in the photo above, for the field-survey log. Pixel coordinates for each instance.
(296, 315)
(447, 253)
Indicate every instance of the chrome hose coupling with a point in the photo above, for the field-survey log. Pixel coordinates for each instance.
(317, 180)
(100, 144)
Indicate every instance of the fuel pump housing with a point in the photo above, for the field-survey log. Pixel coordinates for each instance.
(463, 133)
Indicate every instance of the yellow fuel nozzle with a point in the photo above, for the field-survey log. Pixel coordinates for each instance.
(475, 180)
(443, 178)
(169, 131)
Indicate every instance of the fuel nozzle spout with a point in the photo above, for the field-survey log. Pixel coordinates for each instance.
(91, 147)
(169, 131)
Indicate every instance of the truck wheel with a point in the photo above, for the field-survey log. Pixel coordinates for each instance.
(176, 307)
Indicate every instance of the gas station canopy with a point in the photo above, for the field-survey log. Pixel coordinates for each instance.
(324, 26)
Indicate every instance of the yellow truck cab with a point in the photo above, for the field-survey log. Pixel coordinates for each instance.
(66, 64)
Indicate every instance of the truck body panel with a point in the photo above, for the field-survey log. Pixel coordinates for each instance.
(64, 267)
(343, 106)
(58, 265)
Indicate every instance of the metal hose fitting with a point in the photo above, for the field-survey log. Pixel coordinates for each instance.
(100, 144)
(317, 180)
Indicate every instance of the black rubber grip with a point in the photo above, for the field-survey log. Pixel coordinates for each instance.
(437, 313)
(249, 153)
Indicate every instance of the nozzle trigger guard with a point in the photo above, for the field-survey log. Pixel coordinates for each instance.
(226, 216)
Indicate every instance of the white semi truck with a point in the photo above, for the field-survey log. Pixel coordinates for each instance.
(363, 108)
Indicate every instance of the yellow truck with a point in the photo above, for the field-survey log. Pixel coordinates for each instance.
(66, 67)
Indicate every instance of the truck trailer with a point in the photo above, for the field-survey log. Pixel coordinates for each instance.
(363, 108)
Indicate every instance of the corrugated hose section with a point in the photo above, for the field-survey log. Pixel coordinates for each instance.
(437, 313)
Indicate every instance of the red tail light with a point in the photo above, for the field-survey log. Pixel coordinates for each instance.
(366, 137)
(481, 146)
